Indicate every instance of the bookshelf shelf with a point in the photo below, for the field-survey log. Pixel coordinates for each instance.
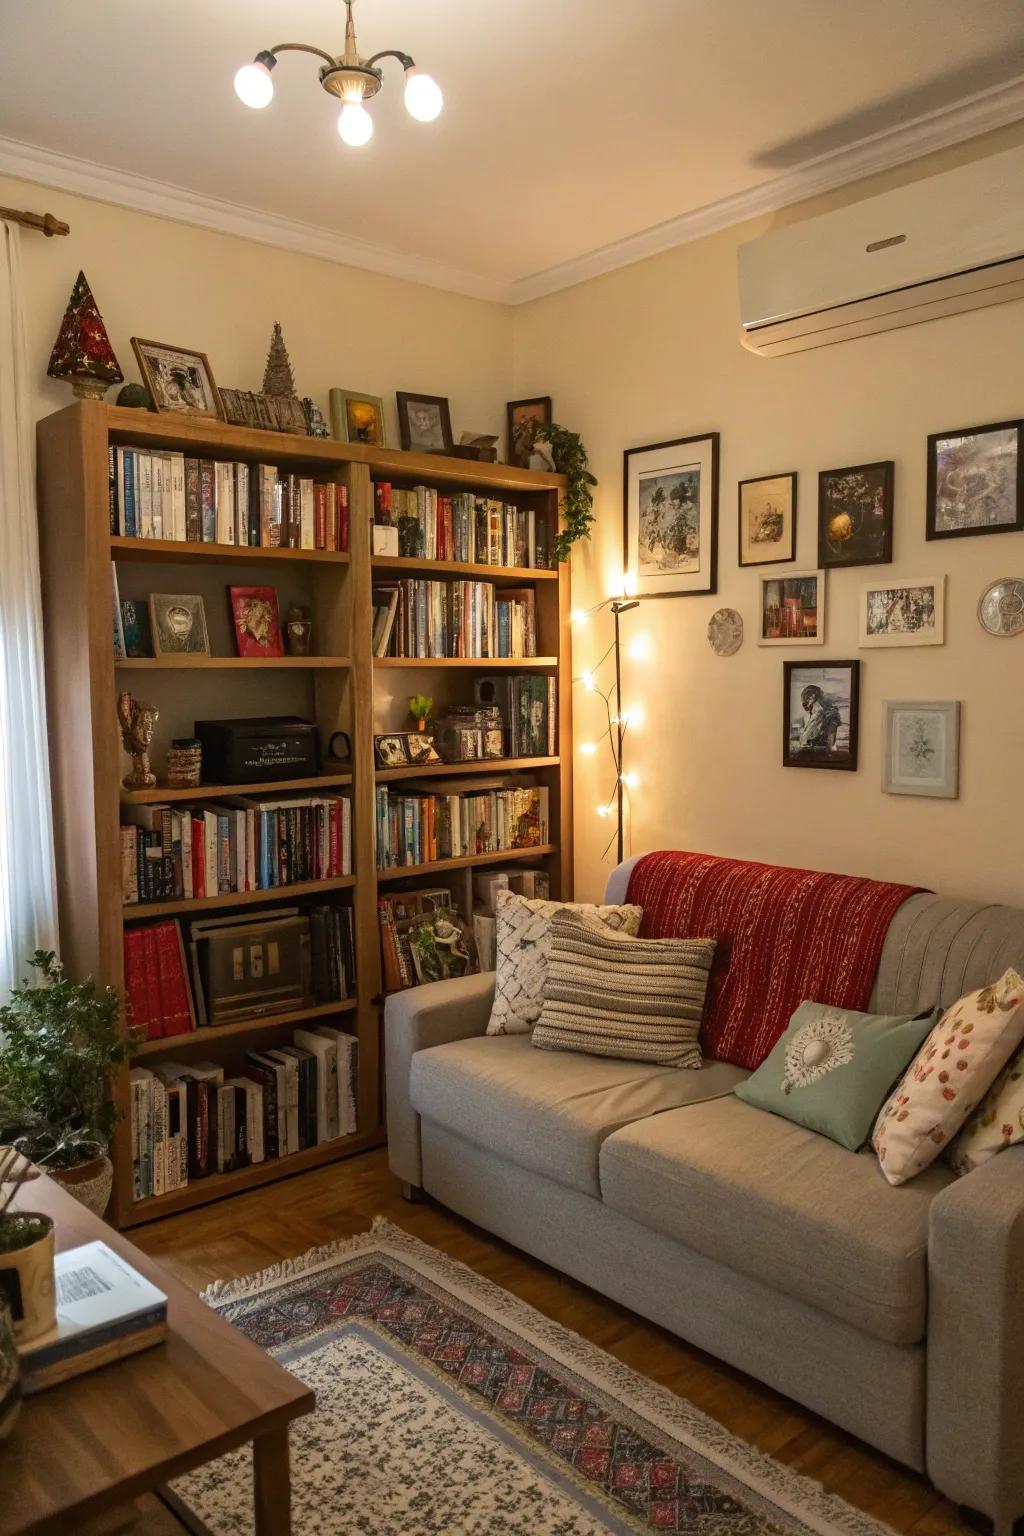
(232, 663)
(210, 1034)
(135, 910)
(510, 575)
(164, 792)
(163, 550)
(403, 871)
(475, 765)
(517, 663)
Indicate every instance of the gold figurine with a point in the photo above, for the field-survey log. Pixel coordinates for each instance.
(137, 722)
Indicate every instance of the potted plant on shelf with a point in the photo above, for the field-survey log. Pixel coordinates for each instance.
(61, 1040)
(27, 1293)
(421, 707)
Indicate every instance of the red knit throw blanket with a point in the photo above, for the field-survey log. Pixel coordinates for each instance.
(783, 936)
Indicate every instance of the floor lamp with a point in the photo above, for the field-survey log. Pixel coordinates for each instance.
(617, 718)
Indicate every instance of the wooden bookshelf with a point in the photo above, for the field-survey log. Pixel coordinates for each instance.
(342, 688)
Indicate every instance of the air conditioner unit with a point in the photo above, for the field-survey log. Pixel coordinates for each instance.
(943, 245)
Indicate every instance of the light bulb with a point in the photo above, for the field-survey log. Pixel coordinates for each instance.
(604, 810)
(588, 748)
(633, 716)
(589, 681)
(423, 98)
(639, 648)
(631, 780)
(578, 616)
(254, 86)
(355, 124)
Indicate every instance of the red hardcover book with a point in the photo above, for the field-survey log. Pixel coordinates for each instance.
(155, 1018)
(382, 503)
(198, 856)
(257, 621)
(341, 503)
(176, 1002)
(141, 1013)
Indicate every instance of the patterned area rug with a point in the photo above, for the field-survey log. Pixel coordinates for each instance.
(446, 1407)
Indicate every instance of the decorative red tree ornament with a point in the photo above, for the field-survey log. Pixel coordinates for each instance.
(82, 352)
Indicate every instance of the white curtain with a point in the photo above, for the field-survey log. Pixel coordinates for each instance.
(28, 903)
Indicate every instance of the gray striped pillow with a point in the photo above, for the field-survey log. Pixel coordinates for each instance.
(607, 994)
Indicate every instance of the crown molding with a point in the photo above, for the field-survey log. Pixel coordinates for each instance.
(965, 119)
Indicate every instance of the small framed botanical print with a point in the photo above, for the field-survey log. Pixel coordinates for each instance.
(670, 516)
(178, 625)
(922, 749)
(910, 611)
(767, 514)
(792, 610)
(424, 423)
(357, 418)
(975, 481)
(855, 514)
(821, 714)
(177, 379)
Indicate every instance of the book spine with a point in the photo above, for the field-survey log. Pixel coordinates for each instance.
(341, 504)
(193, 502)
(155, 1022)
(208, 502)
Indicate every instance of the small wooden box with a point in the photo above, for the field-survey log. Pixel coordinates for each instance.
(258, 751)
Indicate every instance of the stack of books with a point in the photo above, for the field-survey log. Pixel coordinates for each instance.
(453, 618)
(467, 527)
(418, 826)
(190, 1121)
(156, 495)
(191, 852)
(528, 706)
(156, 987)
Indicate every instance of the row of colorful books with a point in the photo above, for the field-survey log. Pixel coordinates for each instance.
(156, 495)
(433, 526)
(453, 618)
(191, 1120)
(418, 826)
(190, 852)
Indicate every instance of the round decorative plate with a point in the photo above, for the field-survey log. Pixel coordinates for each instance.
(725, 631)
(1001, 608)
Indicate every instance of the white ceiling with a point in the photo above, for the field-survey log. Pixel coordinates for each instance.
(570, 126)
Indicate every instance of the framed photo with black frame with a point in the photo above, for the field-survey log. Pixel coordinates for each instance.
(820, 714)
(975, 481)
(424, 423)
(855, 507)
(767, 520)
(670, 516)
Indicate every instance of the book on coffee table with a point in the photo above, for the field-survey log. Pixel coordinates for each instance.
(105, 1311)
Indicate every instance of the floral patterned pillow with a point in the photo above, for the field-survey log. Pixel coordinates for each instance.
(949, 1077)
(997, 1122)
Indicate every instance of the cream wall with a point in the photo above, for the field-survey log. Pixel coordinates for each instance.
(650, 353)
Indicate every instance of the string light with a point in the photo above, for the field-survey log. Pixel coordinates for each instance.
(588, 748)
(639, 649)
(631, 779)
(579, 616)
(604, 810)
(589, 681)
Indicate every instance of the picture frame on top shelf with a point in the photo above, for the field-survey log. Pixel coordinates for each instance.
(524, 418)
(910, 610)
(922, 748)
(357, 418)
(178, 379)
(670, 516)
(821, 714)
(424, 423)
(792, 609)
(975, 481)
(178, 624)
(855, 511)
(767, 520)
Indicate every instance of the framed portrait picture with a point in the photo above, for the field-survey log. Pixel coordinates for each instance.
(821, 714)
(524, 417)
(975, 481)
(792, 609)
(855, 515)
(922, 749)
(670, 516)
(178, 625)
(767, 514)
(908, 611)
(424, 423)
(257, 621)
(177, 379)
(357, 418)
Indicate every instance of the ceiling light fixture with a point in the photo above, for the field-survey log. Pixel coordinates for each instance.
(352, 79)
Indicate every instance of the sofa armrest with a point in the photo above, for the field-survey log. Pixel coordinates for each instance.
(975, 1410)
(413, 1021)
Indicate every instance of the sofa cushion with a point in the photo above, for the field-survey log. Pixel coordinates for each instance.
(778, 1202)
(549, 1113)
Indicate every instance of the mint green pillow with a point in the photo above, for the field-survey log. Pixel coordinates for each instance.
(833, 1068)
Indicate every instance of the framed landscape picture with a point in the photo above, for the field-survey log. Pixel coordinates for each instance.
(821, 714)
(907, 611)
(855, 515)
(975, 481)
(792, 609)
(357, 418)
(670, 516)
(922, 749)
(767, 519)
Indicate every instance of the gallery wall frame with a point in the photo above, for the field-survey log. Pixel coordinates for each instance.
(975, 481)
(670, 516)
(921, 748)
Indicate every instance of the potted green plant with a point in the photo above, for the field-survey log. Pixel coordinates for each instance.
(569, 457)
(61, 1040)
(421, 707)
(28, 1307)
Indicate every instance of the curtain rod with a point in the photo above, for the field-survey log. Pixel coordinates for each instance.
(44, 221)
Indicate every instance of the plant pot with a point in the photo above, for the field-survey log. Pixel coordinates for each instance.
(26, 1279)
(90, 1183)
(10, 1372)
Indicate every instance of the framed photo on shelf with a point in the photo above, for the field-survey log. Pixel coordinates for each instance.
(177, 379)
(405, 749)
(820, 714)
(257, 621)
(922, 749)
(792, 609)
(178, 625)
(524, 418)
(975, 481)
(424, 423)
(357, 418)
(855, 514)
(670, 516)
(767, 519)
(908, 611)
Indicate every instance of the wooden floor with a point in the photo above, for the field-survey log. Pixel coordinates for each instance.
(251, 1231)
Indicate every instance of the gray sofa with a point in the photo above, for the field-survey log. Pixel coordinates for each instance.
(896, 1313)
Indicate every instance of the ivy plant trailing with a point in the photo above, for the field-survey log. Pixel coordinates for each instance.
(570, 458)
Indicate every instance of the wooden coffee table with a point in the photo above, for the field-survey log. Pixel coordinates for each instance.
(95, 1444)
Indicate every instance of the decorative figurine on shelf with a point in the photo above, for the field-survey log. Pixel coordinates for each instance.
(421, 707)
(298, 631)
(316, 426)
(134, 397)
(82, 353)
(137, 722)
(278, 378)
(184, 763)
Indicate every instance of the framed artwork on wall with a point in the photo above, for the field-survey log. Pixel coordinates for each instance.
(767, 519)
(821, 714)
(922, 749)
(792, 609)
(907, 611)
(975, 481)
(670, 516)
(424, 423)
(855, 514)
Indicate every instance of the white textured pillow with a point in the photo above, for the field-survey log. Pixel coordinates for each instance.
(523, 941)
